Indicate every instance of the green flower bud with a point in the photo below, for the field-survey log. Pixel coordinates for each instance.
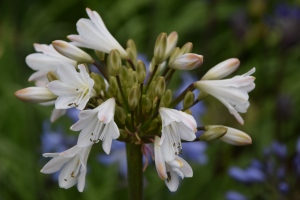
(123, 135)
(100, 55)
(162, 104)
(188, 100)
(115, 61)
(158, 118)
(132, 56)
(141, 71)
(124, 73)
(187, 48)
(168, 97)
(110, 92)
(202, 95)
(160, 48)
(121, 114)
(174, 54)
(133, 98)
(119, 97)
(113, 84)
(213, 134)
(130, 44)
(134, 78)
(99, 102)
(97, 82)
(151, 90)
(128, 118)
(52, 77)
(109, 66)
(189, 112)
(171, 44)
(127, 92)
(153, 124)
(147, 104)
(160, 86)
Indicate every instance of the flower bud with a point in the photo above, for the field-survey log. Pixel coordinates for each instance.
(171, 44)
(222, 69)
(115, 61)
(202, 95)
(189, 112)
(188, 100)
(35, 95)
(132, 56)
(233, 136)
(160, 86)
(128, 118)
(124, 73)
(52, 77)
(123, 135)
(174, 54)
(147, 104)
(71, 51)
(168, 97)
(99, 102)
(160, 48)
(97, 82)
(113, 84)
(151, 90)
(130, 44)
(121, 114)
(187, 48)
(187, 62)
(141, 71)
(153, 124)
(133, 98)
(134, 78)
(213, 134)
(100, 55)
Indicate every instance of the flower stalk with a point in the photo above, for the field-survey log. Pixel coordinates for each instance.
(191, 88)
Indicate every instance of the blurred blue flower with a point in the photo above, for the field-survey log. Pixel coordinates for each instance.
(233, 195)
(283, 187)
(195, 151)
(249, 175)
(279, 149)
(73, 113)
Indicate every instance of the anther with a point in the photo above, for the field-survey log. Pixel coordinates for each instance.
(65, 179)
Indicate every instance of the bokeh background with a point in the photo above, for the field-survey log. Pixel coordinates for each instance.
(262, 33)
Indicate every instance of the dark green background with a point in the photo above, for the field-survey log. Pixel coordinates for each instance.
(218, 29)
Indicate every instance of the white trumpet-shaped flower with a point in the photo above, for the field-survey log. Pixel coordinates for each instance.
(169, 172)
(233, 93)
(176, 126)
(93, 34)
(48, 60)
(74, 89)
(72, 164)
(97, 125)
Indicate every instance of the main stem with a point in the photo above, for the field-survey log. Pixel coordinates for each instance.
(135, 171)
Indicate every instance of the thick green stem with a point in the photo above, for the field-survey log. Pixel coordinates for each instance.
(135, 171)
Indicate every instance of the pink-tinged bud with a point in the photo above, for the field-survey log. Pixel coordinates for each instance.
(71, 51)
(222, 69)
(171, 44)
(187, 62)
(35, 95)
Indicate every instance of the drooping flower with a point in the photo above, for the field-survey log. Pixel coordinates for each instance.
(93, 34)
(97, 124)
(48, 60)
(169, 172)
(176, 125)
(72, 164)
(233, 93)
(73, 89)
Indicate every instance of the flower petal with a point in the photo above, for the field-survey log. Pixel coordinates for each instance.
(106, 144)
(174, 182)
(54, 165)
(186, 169)
(160, 163)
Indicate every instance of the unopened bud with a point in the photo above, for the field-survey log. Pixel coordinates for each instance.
(187, 48)
(113, 84)
(97, 82)
(233, 136)
(174, 54)
(133, 98)
(202, 95)
(130, 44)
(147, 104)
(222, 69)
(71, 51)
(115, 61)
(124, 73)
(132, 56)
(134, 78)
(187, 62)
(153, 124)
(123, 135)
(52, 77)
(168, 97)
(213, 134)
(189, 112)
(121, 114)
(160, 48)
(99, 102)
(141, 71)
(151, 91)
(188, 100)
(171, 44)
(128, 118)
(100, 55)
(160, 86)
(35, 95)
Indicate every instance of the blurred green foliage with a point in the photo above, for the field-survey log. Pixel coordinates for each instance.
(218, 29)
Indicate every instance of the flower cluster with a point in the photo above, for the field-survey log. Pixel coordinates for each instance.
(275, 175)
(128, 103)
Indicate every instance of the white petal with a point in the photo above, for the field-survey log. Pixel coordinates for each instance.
(159, 161)
(167, 150)
(186, 169)
(107, 110)
(71, 152)
(176, 163)
(185, 132)
(68, 74)
(65, 172)
(56, 113)
(236, 137)
(106, 144)
(84, 120)
(46, 155)
(54, 165)
(83, 155)
(64, 102)
(113, 130)
(81, 180)
(60, 88)
(178, 172)
(40, 75)
(174, 182)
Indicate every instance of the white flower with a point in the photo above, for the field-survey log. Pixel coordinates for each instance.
(72, 164)
(176, 126)
(73, 89)
(187, 61)
(169, 172)
(35, 95)
(46, 61)
(222, 69)
(97, 124)
(233, 136)
(93, 34)
(233, 93)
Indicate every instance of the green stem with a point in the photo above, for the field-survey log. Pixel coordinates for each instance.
(135, 171)
(131, 63)
(153, 116)
(140, 104)
(151, 77)
(166, 71)
(101, 70)
(191, 87)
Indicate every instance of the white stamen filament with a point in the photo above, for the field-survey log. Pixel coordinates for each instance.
(172, 133)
